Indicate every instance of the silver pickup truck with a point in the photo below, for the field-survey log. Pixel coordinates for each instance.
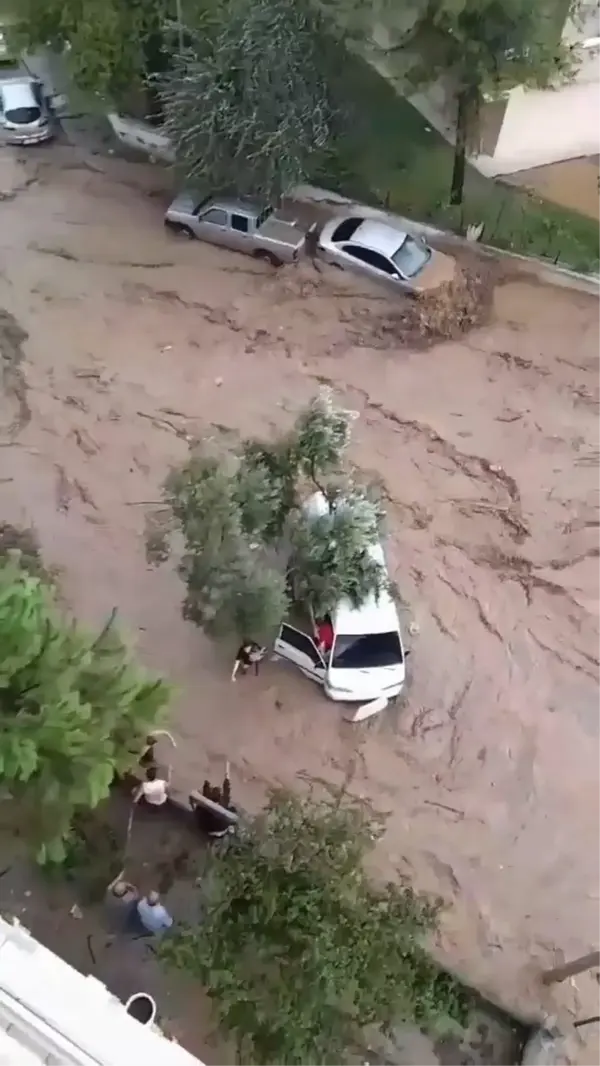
(243, 225)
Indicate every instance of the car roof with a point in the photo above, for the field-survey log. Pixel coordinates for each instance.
(244, 206)
(376, 614)
(379, 237)
(18, 92)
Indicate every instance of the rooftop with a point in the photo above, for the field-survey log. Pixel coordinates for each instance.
(50, 1013)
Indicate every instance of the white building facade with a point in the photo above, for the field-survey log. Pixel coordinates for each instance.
(534, 127)
(52, 1014)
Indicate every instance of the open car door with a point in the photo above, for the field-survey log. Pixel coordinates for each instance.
(301, 650)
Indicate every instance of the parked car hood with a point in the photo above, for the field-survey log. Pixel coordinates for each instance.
(365, 684)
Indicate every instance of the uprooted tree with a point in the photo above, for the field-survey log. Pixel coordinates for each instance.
(246, 104)
(299, 951)
(249, 545)
(74, 711)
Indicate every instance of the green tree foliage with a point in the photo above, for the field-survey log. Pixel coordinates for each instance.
(110, 42)
(299, 951)
(74, 711)
(329, 561)
(242, 524)
(246, 104)
(480, 47)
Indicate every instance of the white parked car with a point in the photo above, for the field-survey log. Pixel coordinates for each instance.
(25, 115)
(367, 659)
(385, 252)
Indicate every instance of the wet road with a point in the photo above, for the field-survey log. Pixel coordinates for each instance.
(119, 344)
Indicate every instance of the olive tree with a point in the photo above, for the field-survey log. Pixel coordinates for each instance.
(246, 104)
(248, 542)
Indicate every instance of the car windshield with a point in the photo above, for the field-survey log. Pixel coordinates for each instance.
(201, 203)
(357, 651)
(22, 116)
(411, 257)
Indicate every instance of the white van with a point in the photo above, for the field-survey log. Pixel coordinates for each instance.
(366, 661)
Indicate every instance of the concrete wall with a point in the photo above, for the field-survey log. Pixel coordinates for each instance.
(546, 126)
(142, 137)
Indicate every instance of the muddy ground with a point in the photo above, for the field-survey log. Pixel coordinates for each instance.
(120, 344)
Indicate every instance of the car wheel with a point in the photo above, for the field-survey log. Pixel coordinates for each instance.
(179, 229)
(268, 257)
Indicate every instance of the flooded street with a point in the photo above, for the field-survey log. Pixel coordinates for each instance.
(120, 344)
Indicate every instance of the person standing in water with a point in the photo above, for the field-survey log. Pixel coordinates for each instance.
(248, 654)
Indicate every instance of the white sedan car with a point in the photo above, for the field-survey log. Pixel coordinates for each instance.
(385, 253)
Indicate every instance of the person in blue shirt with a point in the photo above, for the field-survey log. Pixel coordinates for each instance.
(154, 917)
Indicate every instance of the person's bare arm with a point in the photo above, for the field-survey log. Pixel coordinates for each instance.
(236, 667)
(138, 793)
(119, 877)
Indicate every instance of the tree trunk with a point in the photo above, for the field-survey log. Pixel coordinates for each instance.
(460, 147)
(560, 973)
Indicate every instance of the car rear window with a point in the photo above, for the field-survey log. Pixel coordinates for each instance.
(356, 651)
(22, 116)
(264, 215)
(346, 229)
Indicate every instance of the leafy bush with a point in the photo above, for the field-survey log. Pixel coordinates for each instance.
(299, 951)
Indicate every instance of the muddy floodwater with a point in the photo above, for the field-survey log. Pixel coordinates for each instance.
(120, 344)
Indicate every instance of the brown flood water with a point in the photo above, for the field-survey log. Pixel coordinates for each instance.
(487, 450)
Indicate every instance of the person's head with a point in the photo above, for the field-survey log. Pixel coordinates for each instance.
(119, 889)
(153, 898)
(151, 773)
(247, 645)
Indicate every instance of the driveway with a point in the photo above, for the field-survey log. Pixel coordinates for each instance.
(120, 344)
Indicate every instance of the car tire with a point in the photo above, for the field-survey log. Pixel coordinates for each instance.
(268, 257)
(179, 229)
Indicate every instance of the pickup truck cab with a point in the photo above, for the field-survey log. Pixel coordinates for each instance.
(367, 659)
(242, 225)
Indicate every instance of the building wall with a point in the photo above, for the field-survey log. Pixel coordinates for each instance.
(533, 127)
(546, 126)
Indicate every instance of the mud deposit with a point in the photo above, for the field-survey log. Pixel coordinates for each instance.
(120, 345)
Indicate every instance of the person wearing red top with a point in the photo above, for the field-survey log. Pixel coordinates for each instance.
(324, 635)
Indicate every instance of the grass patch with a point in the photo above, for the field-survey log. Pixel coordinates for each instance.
(385, 154)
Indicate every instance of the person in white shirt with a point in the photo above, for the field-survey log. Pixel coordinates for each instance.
(154, 790)
(154, 917)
